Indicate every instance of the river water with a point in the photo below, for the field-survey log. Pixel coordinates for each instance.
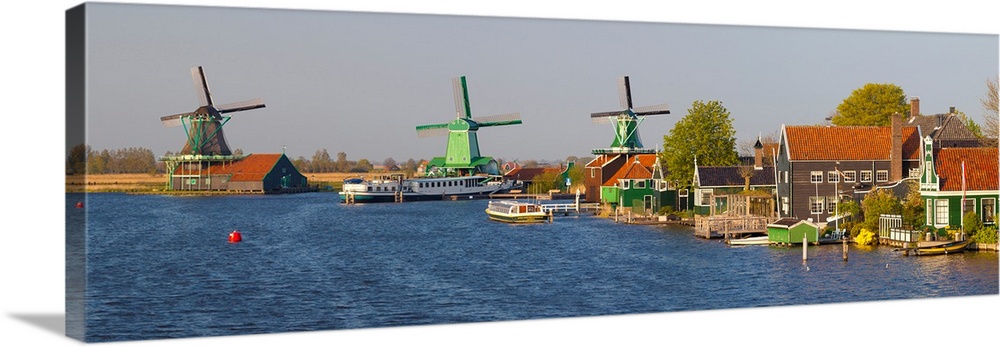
(162, 267)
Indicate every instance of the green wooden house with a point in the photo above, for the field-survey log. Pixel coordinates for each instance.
(791, 231)
(949, 174)
(639, 185)
(715, 186)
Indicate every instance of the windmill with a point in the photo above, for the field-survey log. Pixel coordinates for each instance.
(204, 125)
(462, 153)
(626, 122)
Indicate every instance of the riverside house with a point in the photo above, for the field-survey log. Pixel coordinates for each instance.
(820, 166)
(715, 186)
(953, 173)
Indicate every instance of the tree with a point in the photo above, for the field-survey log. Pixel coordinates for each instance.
(990, 125)
(706, 132)
(342, 165)
(872, 104)
(76, 160)
(877, 203)
(545, 181)
(914, 214)
(390, 164)
(363, 165)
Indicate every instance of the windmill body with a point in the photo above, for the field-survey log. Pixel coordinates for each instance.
(206, 162)
(626, 122)
(204, 126)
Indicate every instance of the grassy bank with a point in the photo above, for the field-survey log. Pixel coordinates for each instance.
(107, 183)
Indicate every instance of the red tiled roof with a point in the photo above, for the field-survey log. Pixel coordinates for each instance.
(980, 168)
(251, 168)
(848, 142)
(639, 167)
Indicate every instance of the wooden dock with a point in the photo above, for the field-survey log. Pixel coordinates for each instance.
(729, 226)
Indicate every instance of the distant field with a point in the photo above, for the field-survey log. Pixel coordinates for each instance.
(156, 182)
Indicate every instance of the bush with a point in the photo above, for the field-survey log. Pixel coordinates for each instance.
(866, 237)
(986, 235)
(972, 223)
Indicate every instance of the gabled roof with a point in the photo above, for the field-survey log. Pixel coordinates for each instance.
(251, 168)
(810, 142)
(980, 168)
(729, 176)
(640, 167)
(946, 128)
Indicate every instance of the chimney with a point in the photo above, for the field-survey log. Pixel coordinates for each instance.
(951, 110)
(896, 154)
(758, 156)
(914, 107)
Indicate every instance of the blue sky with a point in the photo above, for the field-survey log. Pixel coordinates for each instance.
(146, 88)
(360, 82)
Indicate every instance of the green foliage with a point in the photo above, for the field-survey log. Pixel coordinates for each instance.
(872, 104)
(546, 181)
(866, 237)
(971, 223)
(914, 215)
(986, 235)
(576, 176)
(876, 203)
(706, 132)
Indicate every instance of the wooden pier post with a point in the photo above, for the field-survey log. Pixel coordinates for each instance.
(845, 248)
(805, 246)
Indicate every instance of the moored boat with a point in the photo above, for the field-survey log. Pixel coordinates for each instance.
(396, 187)
(947, 248)
(511, 211)
(754, 240)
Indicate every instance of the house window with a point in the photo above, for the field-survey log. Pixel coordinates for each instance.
(625, 184)
(832, 177)
(831, 204)
(706, 196)
(929, 212)
(969, 205)
(816, 177)
(850, 176)
(915, 172)
(941, 211)
(816, 204)
(882, 176)
(593, 171)
(989, 210)
(784, 204)
(682, 193)
(640, 184)
(866, 175)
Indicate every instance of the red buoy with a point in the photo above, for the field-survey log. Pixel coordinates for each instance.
(79, 204)
(235, 236)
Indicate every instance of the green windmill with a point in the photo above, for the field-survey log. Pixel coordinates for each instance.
(626, 122)
(462, 156)
(204, 125)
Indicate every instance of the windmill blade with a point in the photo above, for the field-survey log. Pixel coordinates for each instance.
(174, 120)
(652, 110)
(624, 93)
(500, 119)
(604, 117)
(201, 86)
(461, 97)
(432, 130)
(242, 105)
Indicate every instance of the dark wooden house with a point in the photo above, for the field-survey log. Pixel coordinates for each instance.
(820, 166)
